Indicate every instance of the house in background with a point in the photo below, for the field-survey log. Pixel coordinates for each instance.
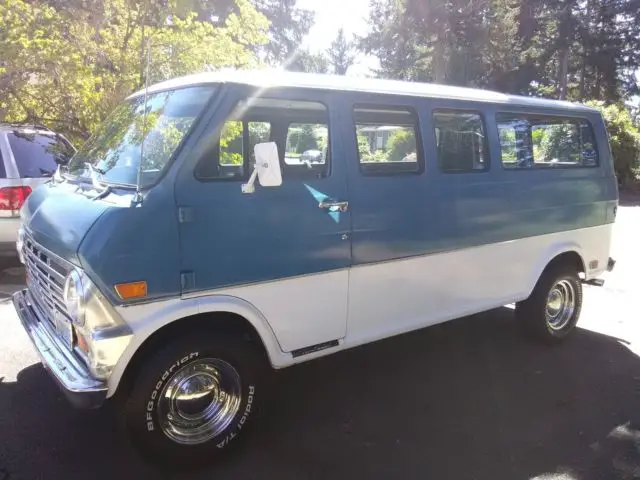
(378, 136)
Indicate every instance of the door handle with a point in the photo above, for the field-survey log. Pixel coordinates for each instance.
(333, 206)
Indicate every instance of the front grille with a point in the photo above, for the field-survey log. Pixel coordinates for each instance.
(46, 275)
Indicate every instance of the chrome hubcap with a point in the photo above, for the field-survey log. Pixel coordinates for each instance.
(199, 401)
(561, 303)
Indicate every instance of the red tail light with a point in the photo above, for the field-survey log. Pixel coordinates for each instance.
(12, 198)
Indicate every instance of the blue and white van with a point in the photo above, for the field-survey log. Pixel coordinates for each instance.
(225, 224)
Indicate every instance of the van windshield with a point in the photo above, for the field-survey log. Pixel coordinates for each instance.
(115, 149)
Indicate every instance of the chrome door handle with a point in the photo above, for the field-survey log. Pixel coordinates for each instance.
(334, 206)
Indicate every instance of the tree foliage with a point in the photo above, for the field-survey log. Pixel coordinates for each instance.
(306, 61)
(575, 49)
(624, 138)
(341, 54)
(67, 65)
(401, 143)
(288, 24)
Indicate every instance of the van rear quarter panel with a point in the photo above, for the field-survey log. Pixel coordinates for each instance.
(502, 205)
(470, 241)
(399, 216)
(480, 208)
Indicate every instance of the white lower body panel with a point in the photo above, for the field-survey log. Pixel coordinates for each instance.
(398, 296)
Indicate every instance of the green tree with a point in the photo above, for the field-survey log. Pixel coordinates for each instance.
(305, 61)
(288, 24)
(303, 137)
(402, 142)
(341, 54)
(393, 38)
(560, 48)
(67, 66)
(624, 139)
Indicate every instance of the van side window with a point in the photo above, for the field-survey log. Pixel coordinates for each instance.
(387, 140)
(460, 141)
(307, 143)
(299, 128)
(533, 141)
(231, 155)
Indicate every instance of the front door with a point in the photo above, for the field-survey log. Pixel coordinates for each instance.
(285, 249)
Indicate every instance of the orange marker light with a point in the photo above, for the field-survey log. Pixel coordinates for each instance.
(128, 291)
(82, 343)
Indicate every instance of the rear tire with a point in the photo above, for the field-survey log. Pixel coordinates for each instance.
(552, 311)
(193, 399)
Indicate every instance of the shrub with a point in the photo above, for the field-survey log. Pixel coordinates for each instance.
(401, 143)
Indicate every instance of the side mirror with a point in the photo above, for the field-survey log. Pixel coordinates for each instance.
(267, 167)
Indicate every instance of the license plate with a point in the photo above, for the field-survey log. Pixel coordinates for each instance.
(63, 329)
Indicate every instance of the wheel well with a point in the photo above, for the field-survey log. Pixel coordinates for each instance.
(571, 258)
(208, 323)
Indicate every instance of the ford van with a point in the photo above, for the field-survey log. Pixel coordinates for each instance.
(222, 225)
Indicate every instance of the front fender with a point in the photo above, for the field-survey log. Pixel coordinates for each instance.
(146, 319)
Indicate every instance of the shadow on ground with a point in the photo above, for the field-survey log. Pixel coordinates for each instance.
(12, 279)
(465, 400)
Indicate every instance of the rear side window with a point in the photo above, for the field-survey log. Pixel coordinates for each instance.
(38, 155)
(460, 141)
(387, 140)
(531, 141)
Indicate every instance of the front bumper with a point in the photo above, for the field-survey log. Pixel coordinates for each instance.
(74, 379)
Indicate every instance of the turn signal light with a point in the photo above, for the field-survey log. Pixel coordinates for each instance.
(129, 291)
(82, 343)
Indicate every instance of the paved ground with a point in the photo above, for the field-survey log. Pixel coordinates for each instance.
(466, 400)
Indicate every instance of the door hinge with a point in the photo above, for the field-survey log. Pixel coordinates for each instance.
(185, 214)
(187, 281)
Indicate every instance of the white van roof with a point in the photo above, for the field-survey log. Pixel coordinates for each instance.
(279, 78)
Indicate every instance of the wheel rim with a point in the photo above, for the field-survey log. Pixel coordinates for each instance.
(199, 401)
(561, 303)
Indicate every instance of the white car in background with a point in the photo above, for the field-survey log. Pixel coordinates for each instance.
(29, 156)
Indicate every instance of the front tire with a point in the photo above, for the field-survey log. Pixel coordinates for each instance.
(193, 399)
(552, 311)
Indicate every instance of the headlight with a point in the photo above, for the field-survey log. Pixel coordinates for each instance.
(101, 333)
(75, 297)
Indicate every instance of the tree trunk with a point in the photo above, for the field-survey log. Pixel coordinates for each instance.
(565, 34)
(563, 72)
(583, 74)
(439, 64)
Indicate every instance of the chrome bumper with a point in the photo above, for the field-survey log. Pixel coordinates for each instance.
(80, 388)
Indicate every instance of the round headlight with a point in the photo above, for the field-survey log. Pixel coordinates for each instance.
(74, 297)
